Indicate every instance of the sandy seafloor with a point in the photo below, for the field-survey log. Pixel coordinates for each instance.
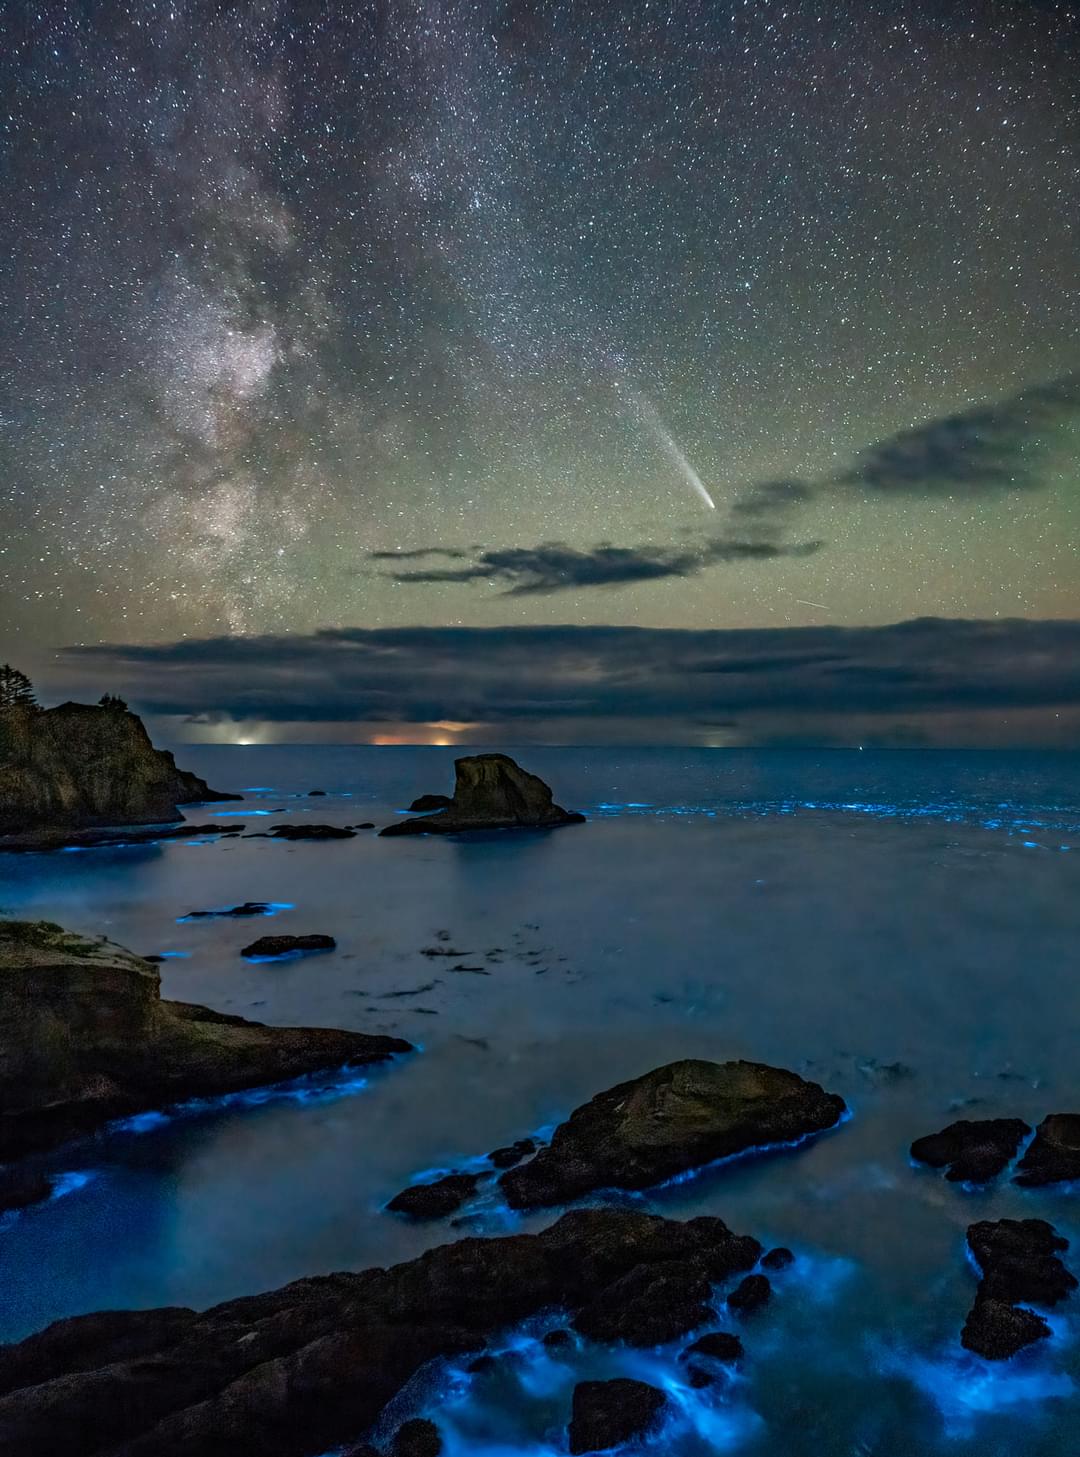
(903, 927)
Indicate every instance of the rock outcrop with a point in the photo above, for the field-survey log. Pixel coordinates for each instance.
(972, 1151)
(1020, 1266)
(85, 1038)
(672, 1120)
(437, 1199)
(609, 1413)
(303, 832)
(1054, 1155)
(289, 945)
(311, 1366)
(491, 792)
(78, 766)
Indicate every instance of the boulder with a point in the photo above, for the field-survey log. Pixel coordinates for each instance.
(1054, 1154)
(312, 1366)
(513, 1153)
(491, 792)
(717, 1346)
(777, 1259)
(676, 1118)
(750, 1295)
(85, 1038)
(609, 1413)
(288, 945)
(1019, 1263)
(972, 1151)
(80, 765)
(417, 1438)
(437, 1199)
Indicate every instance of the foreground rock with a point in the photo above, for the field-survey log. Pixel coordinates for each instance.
(1054, 1155)
(303, 832)
(673, 1119)
(312, 1365)
(609, 1413)
(491, 792)
(85, 1038)
(78, 765)
(972, 1152)
(1020, 1265)
(288, 945)
(37, 841)
(19, 1188)
(417, 1438)
(435, 1200)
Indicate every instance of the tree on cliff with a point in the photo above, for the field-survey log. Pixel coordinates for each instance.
(112, 700)
(16, 690)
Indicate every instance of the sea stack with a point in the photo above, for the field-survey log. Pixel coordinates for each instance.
(81, 765)
(491, 792)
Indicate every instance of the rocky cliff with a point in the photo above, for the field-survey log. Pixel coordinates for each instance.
(80, 765)
(491, 792)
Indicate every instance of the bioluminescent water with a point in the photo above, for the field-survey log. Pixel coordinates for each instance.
(900, 926)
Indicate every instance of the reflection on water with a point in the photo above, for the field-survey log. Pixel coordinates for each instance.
(899, 926)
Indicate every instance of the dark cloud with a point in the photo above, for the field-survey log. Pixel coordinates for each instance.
(773, 681)
(555, 567)
(772, 498)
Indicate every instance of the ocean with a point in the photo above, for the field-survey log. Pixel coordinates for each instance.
(903, 927)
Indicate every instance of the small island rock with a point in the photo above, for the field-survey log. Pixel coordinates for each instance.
(972, 1151)
(287, 945)
(1020, 1265)
(1054, 1154)
(491, 792)
(437, 1199)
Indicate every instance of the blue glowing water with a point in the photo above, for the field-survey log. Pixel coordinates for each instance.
(900, 926)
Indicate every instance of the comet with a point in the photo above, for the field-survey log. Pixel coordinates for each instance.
(670, 447)
(803, 603)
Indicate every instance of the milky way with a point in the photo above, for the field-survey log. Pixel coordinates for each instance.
(288, 285)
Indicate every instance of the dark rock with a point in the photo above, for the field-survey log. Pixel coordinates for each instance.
(609, 1413)
(365, 1449)
(85, 1038)
(37, 841)
(491, 792)
(699, 1378)
(316, 793)
(154, 959)
(367, 825)
(558, 1340)
(506, 1158)
(717, 1346)
(435, 1200)
(673, 1119)
(972, 1151)
(1019, 1263)
(750, 1294)
(418, 1438)
(649, 1306)
(482, 1365)
(1054, 1154)
(778, 1259)
(428, 802)
(282, 945)
(20, 1188)
(312, 1365)
(249, 908)
(305, 832)
(80, 765)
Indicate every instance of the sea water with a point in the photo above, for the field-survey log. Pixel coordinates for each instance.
(903, 927)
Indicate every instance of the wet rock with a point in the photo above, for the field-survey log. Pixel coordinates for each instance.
(649, 1306)
(249, 908)
(1054, 1154)
(482, 1365)
(366, 825)
(717, 1346)
(750, 1295)
(1020, 1265)
(491, 792)
(699, 1378)
(316, 793)
(972, 1151)
(38, 841)
(283, 945)
(19, 1188)
(777, 1259)
(81, 765)
(428, 802)
(417, 1438)
(558, 1340)
(435, 1200)
(673, 1119)
(85, 1038)
(310, 1366)
(506, 1158)
(609, 1413)
(304, 832)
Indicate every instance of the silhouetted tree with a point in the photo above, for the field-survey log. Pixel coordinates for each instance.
(16, 690)
(113, 700)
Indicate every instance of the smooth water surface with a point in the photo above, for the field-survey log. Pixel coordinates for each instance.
(901, 926)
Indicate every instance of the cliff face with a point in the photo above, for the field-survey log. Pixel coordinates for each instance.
(78, 766)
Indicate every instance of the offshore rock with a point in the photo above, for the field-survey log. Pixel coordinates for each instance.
(1054, 1155)
(85, 1038)
(437, 1199)
(286, 945)
(303, 832)
(36, 841)
(610, 1413)
(491, 792)
(313, 1365)
(80, 765)
(1019, 1263)
(674, 1119)
(972, 1151)
(428, 802)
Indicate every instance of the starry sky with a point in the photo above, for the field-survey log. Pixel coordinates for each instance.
(486, 314)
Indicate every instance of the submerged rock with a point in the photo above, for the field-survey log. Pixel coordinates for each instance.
(304, 832)
(491, 792)
(1054, 1155)
(249, 908)
(81, 765)
(750, 1295)
(19, 1188)
(717, 1346)
(283, 945)
(609, 1413)
(1020, 1265)
(437, 1199)
(671, 1120)
(313, 1365)
(972, 1151)
(85, 1038)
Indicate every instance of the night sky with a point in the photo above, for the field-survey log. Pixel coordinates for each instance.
(465, 314)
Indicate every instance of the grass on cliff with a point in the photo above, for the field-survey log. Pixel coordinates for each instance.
(45, 936)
